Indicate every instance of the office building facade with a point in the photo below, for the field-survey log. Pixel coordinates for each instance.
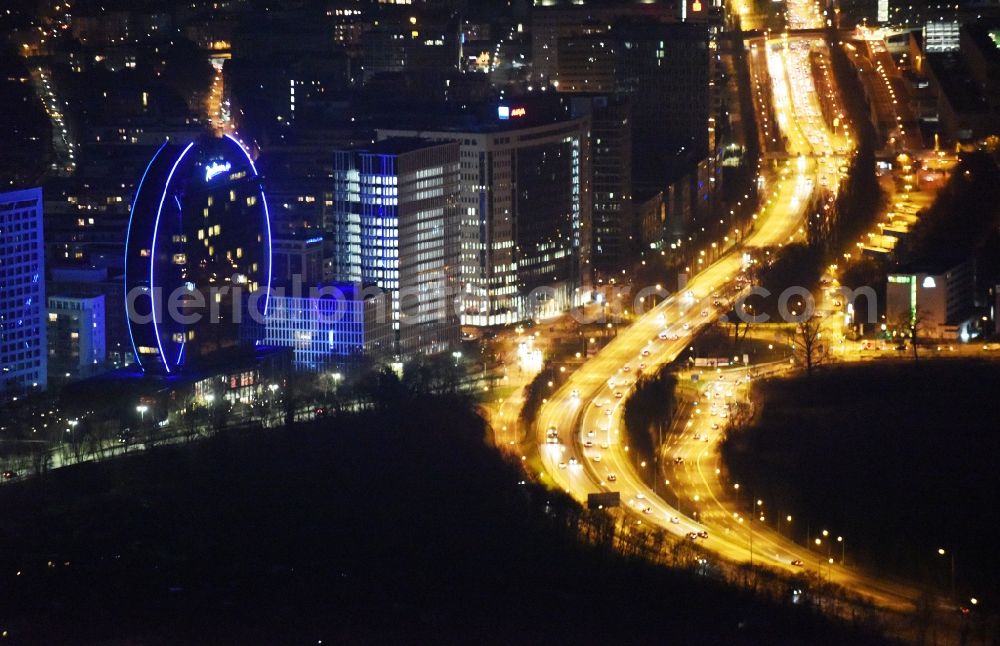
(331, 325)
(396, 227)
(23, 353)
(938, 295)
(666, 71)
(552, 22)
(297, 259)
(525, 208)
(612, 224)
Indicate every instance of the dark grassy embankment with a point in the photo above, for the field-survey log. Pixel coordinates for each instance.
(900, 459)
(398, 525)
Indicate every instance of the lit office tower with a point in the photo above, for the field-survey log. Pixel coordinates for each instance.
(22, 293)
(396, 226)
(611, 187)
(525, 206)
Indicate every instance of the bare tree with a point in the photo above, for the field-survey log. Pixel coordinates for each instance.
(808, 347)
(735, 322)
(912, 325)
(41, 458)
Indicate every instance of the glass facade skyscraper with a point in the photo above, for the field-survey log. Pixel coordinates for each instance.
(323, 330)
(22, 293)
(525, 208)
(396, 226)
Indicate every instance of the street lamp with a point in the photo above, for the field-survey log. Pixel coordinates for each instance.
(678, 493)
(141, 409)
(843, 547)
(951, 557)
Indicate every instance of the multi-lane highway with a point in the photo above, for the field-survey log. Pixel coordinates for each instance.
(581, 443)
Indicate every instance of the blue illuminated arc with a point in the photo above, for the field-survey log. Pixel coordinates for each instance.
(128, 234)
(267, 220)
(152, 253)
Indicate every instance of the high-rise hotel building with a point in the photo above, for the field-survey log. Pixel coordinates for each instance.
(22, 293)
(197, 254)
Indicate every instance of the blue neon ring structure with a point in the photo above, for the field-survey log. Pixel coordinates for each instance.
(207, 185)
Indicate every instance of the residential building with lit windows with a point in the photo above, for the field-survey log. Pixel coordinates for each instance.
(22, 293)
(76, 336)
(331, 325)
(396, 227)
(525, 207)
(91, 282)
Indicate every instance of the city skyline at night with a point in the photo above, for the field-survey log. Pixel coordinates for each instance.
(501, 321)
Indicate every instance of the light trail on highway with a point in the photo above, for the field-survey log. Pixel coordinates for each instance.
(581, 441)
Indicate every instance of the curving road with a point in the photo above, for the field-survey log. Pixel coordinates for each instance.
(588, 453)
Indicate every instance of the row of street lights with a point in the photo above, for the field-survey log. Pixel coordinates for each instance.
(758, 512)
(827, 539)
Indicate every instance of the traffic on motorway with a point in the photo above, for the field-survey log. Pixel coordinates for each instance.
(582, 445)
